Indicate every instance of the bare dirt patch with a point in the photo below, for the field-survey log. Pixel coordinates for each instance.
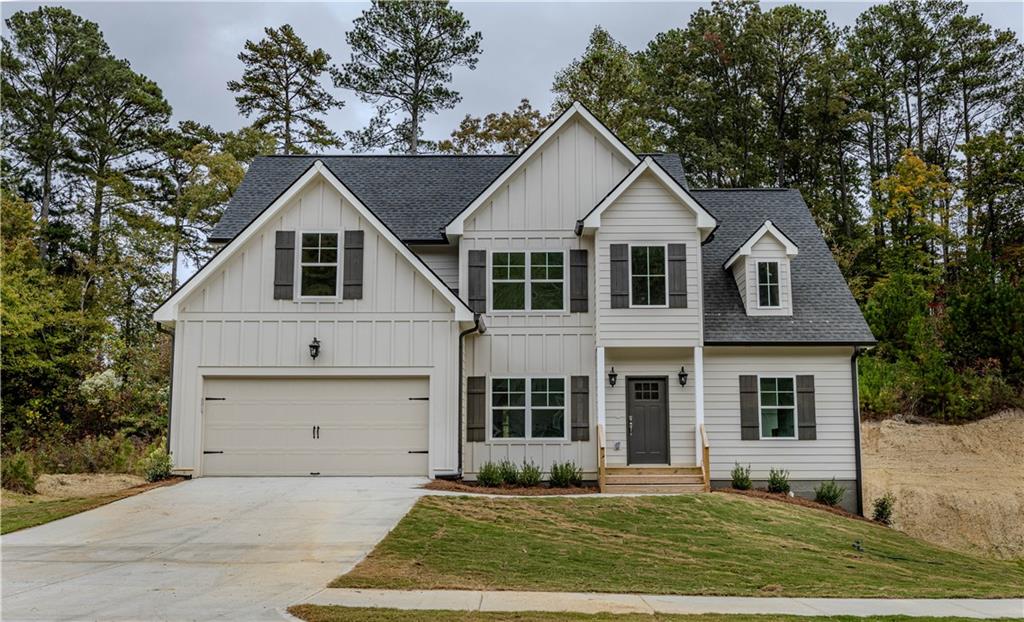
(959, 486)
(69, 485)
(534, 491)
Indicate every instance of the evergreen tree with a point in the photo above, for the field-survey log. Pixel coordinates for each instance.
(281, 87)
(403, 53)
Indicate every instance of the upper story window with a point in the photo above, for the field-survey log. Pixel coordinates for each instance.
(778, 410)
(527, 408)
(768, 284)
(318, 265)
(647, 276)
(528, 281)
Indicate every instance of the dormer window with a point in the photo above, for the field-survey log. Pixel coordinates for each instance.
(768, 284)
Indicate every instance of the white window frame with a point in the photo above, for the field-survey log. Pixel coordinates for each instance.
(778, 282)
(299, 264)
(629, 259)
(527, 289)
(528, 423)
(796, 415)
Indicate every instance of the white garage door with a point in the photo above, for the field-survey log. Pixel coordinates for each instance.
(315, 426)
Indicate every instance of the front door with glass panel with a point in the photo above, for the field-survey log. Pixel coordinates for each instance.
(647, 420)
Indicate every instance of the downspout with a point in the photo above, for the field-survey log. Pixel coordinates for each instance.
(170, 387)
(476, 328)
(856, 428)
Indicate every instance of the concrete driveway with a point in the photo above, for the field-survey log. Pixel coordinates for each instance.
(211, 548)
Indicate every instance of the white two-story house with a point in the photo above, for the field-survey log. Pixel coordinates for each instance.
(422, 315)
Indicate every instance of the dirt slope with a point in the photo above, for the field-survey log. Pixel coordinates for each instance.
(958, 486)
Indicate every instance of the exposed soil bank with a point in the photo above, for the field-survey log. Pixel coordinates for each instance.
(957, 486)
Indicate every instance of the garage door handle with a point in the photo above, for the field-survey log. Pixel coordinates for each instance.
(213, 452)
(421, 451)
(316, 431)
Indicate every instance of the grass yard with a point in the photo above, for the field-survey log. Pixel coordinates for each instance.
(714, 544)
(318, 613)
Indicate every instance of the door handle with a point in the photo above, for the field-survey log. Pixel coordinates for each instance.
(629, 418)
(316, 431)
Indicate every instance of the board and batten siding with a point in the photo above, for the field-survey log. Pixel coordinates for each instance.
(232, 326)
(766, 249)
(648, 214)
(832, 454)
(651, 363)
(537, 210)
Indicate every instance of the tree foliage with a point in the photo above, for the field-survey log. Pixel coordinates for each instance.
(505, 132)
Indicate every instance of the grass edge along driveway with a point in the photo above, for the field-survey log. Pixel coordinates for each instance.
(707, 544)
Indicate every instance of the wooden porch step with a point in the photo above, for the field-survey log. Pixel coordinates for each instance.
(654, 470)
(653, 488)
(655, 478)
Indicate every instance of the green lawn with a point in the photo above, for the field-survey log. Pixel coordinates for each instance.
(317, 613)
(713, 544)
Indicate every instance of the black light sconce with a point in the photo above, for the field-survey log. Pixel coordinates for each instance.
(612, 376)
(314, 348)
(683, 376)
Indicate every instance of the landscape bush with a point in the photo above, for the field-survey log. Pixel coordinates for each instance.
(157, 465)
(530, 475)
(565, 474)
(883, 508)
(829, 492)
(489, 475)
(778, 481)
(509, 472)
(741, 477)
(18, 474)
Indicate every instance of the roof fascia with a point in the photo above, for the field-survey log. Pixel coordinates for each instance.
(577, 110)
(767, 228)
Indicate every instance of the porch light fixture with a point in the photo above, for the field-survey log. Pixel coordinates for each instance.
(612, 376)
(314, 348)
(683, 376)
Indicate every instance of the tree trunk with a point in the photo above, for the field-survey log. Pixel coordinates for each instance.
(44, 211)
(97, 219)
(969, 225)
(920, 111)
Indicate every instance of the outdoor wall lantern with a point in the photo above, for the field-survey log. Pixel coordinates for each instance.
(612, 376)
(314, 348)
(683, 376)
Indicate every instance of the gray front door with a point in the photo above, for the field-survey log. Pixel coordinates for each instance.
(647, 420)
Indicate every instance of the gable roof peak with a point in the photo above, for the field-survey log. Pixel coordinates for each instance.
(766, 228)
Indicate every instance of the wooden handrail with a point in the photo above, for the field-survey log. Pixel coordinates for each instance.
(600, 458)
(705, 458)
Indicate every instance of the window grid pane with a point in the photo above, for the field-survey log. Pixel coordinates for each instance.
(516, 414)
(778, 416)
(318, 264)
(768, 283)
(508, 277)
(647, 266)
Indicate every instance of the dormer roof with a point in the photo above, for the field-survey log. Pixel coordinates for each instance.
(768, 228)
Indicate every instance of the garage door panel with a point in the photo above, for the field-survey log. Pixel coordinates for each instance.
(366, 426)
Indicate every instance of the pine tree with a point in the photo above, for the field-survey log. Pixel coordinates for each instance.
(281, 86)
(403, 53)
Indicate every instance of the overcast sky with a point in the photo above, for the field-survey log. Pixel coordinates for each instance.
(190, 48)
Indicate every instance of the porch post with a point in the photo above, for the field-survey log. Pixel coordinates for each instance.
(698, 396)
(599, 381)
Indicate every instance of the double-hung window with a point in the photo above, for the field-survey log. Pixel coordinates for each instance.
(777, 399)
(318, 265)
(528, 281)
(768, 284)
(647, 276)
(524, 408)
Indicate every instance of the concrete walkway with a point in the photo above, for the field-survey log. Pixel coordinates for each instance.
(638, 603)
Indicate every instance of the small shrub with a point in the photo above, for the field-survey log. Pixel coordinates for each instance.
(883, 508)
(830, 493)
(741, 477)
(18, 473)
(489, 475)
(778, 481)
(509, 472)
(157, 465)
(530, 475)
(565, 474)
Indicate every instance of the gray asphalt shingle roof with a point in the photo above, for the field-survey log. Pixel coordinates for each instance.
(416, 196)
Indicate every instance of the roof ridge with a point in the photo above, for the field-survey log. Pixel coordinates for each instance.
(388, 155)
(772, 189)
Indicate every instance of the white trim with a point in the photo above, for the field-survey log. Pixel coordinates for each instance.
(664, 247)
(698, 398)
(748, 246)
(168, 311)
(528, 410)
(527, 283)
(757, 283)
(297, 278)
(455, 227)
(601, 379)
(706, 223)
(796, 416)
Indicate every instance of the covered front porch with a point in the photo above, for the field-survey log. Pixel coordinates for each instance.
(650, 415)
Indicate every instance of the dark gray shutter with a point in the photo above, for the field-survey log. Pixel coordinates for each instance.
(284, 265)
(805, 408)
(478, 281)
(580, 408)
(476, 408)
(749, 423)
(620, 275)
(578, 294)
(677, 276)
(352, 270)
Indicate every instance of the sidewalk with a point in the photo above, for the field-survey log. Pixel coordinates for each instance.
(639, 603)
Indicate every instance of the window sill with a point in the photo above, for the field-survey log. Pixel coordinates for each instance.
(530, 441)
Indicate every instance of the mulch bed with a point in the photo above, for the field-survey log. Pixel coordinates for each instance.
(782, 498)
(532, 491)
